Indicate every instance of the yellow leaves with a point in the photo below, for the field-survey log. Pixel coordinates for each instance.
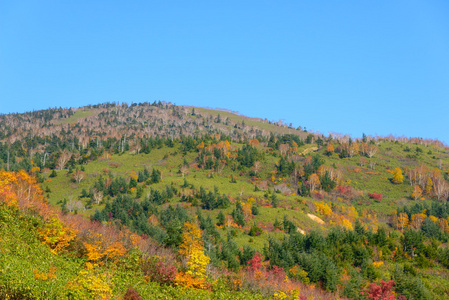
(417, 220)
(402, 221)
(227, 144)
(133, 175)
(323, 208)
(352, 212)
(280, 295)
(346, 223)
(192, 248)
(429, 186)
(433, 219)
(35, 169)
(96, 252)
(378, 264)
(200, 146)
(397, 176)
(313, 181)
(135, 239)
(56, 235)
(91, 281)
(153, 220)
(443, 224)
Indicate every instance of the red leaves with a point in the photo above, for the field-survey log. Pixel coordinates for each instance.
(376, 196)
(255, 264)
(382, 292)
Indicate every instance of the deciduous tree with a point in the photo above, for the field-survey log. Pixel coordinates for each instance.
(397, 176)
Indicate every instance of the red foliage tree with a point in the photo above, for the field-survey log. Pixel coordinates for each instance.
(382, 292)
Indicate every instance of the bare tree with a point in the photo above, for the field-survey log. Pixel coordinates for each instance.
(283, 148)
(63, 159)
(371, 150)
(257, 166)
(440, 187)
(78, 176)
(184, 169)
(97, 196)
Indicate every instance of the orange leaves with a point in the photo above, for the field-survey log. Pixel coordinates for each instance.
(44, 276)
(417, 192)
(19, 188)
(9, 197)
(101, 248)
(253, 142)
(56, 235)
(116, 249)
(188, 281)
(93, 252)
(330, 148)
(443, 224)
(200, 146)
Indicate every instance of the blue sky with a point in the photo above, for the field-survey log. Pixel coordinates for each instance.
(377, 67)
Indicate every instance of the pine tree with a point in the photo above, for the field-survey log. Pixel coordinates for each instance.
(220, 218)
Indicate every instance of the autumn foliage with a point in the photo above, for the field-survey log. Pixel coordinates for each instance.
(192, 248)
(397, 176)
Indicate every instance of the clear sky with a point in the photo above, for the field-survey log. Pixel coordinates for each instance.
(353, 67)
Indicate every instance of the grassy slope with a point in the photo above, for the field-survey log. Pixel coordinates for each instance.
(168, 161)
(22, 255)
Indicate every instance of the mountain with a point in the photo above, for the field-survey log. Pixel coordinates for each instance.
(281, 211)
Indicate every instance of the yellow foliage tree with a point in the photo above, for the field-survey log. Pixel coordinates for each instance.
(91, 283)
(417, 220)
(402, 221)
(200, 146)
(443, 224)
(429, 186)
(323, 208)
(56, 235)
(314, 182)
(397, 176)
(192, 247)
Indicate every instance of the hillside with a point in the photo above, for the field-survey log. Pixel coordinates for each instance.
(329, 215)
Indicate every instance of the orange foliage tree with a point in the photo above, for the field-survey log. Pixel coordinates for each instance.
(417, 192)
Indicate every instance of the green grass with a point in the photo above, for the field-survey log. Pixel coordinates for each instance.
(78, 115)
(22, 255)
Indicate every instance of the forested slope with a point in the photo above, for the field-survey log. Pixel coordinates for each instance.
(279, 211)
